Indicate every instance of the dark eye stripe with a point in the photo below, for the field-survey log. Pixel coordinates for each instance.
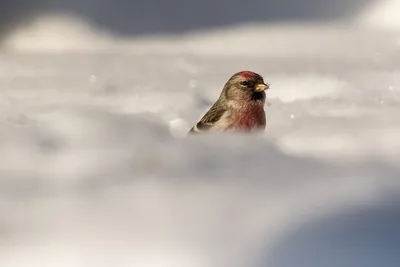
(249, 84)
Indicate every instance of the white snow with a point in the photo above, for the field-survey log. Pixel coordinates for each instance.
(94, 169)
(383, 14)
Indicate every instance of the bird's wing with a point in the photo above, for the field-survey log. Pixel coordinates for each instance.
(210, 119)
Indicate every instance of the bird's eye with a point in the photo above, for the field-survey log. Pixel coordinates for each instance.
(244, 83)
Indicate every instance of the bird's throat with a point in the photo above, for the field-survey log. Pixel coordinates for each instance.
(258, 96)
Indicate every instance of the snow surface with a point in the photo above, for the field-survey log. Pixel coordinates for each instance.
(381, 14)
(95, 169)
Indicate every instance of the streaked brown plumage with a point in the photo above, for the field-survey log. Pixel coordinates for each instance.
(239, 108)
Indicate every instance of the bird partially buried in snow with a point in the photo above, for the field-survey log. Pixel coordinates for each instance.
(239, 108)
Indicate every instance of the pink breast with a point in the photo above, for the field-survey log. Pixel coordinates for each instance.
(251, 118)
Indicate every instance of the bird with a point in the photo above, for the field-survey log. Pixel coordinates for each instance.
(239, 108)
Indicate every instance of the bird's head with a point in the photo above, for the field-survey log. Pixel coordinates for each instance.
(245, 85)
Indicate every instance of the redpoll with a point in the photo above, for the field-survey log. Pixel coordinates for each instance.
(240, 107)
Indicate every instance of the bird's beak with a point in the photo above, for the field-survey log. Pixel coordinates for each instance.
(261, 87)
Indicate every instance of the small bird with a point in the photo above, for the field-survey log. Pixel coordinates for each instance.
(239, 108)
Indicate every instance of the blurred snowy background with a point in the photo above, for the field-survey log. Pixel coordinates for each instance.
(96, 95)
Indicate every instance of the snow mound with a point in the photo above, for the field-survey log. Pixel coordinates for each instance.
(383, 14)
(59, 33)
(97, 182)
